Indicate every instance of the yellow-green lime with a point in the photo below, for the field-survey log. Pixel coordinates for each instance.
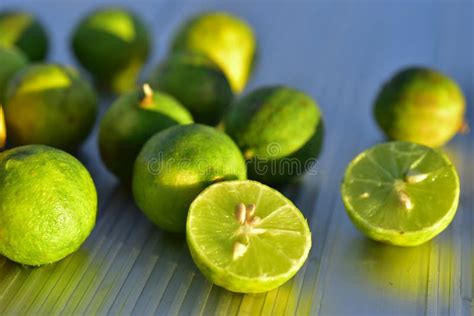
(226, 39)
(420, 105)
(48, 204)
(246, 236)
(401, 193)
(49, 104)
(176, 164)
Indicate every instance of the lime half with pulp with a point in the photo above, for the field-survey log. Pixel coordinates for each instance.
(247, 237)
(401, 193)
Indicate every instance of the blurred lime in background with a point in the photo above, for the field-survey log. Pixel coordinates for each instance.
(197, 82)
(112, 44)
(23, 30)
(11, 60)
(49, 104)
(226, 39)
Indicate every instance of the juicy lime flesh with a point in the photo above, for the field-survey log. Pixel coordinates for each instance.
(401, 193)
(48, 204)
(274, 247)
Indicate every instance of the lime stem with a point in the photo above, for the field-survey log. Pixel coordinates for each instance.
(147, 100)
(464, 129)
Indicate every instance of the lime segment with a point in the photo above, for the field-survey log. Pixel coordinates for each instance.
(401, 193)
(247, 237)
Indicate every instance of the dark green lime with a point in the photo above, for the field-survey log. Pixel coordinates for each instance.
(112, 44)
(197, 82)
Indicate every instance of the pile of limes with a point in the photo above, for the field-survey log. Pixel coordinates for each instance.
(186, 142)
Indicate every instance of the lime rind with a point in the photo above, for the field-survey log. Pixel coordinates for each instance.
(275, 252)
(372, 194)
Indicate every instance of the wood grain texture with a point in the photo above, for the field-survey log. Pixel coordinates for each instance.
(339, 52)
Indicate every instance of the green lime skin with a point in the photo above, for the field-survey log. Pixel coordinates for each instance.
(229, 41)
(129, 123)
(420, 105)
(22, 30)
(49, 104)
(11, 61)
(112, 44)
(401, 193)
(48, 204)
(279, 130)
(197, 82)
(175, 165)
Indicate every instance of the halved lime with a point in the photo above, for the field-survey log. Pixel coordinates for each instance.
(401, 193)
(247, 237)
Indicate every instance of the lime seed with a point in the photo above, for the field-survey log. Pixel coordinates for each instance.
(239, 250)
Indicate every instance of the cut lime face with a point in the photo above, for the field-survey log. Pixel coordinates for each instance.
(401, 193)
(247, 237)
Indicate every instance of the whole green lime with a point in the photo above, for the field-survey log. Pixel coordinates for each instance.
(23, 30)
(131, 121)
(112, 44)
(197, 82)
(279, 130)
(224, 38)
(11, 60)
(178, 163)
(48, 204)
(420, 105)
(49, 104)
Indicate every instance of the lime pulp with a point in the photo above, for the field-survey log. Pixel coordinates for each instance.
(247, 237)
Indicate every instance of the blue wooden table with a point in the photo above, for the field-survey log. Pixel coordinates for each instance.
(339, 52)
